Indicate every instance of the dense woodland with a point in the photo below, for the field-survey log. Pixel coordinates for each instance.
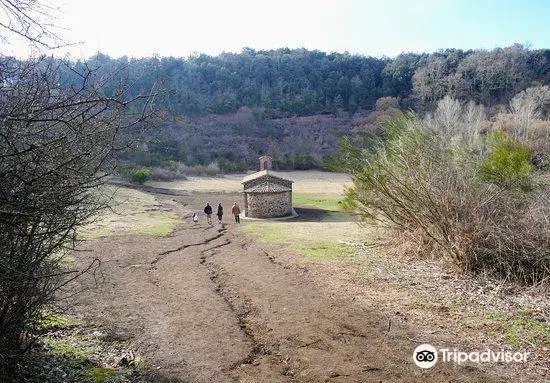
(233, 107)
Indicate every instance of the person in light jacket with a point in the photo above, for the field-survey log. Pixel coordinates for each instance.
(236, 212)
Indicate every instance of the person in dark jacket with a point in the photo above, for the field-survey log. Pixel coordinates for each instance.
(220, 213)
(208, 212)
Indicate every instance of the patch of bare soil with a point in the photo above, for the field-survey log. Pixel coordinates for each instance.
(437, 307)
(209, 305)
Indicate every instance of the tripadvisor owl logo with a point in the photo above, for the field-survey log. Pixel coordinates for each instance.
(425, 356)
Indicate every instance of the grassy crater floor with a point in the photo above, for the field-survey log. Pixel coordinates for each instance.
(359, 261)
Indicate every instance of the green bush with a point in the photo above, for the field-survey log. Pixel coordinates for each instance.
(141, 175)
(454, 200)
(509, 162)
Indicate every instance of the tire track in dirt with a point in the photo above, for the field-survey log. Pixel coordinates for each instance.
(207, 331)
(241, 312)
(183, 247)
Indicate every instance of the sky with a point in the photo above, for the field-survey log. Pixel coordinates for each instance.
(375, 28)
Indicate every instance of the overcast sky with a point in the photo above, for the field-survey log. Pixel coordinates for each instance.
(384, 27)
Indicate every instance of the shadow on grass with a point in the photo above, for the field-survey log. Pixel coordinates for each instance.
(309, 214)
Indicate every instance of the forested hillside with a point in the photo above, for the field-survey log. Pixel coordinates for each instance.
(235, 106)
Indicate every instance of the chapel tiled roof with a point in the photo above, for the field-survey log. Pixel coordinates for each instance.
(263, 173)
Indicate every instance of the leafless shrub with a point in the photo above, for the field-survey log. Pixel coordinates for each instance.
(473, 121)
(212, 169)
(180, 170)
(167, 174)
(56, 146)
(448, 115)
(452, 119)
(427, 182)
(526, 107)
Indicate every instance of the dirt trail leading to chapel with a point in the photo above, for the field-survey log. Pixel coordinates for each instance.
(208, 305)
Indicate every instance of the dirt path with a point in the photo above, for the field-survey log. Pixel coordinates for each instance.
(207, 305)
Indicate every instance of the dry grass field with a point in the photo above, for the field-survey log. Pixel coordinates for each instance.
(310, 182)
(132, 212)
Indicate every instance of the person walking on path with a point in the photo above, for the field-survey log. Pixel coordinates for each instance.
(208, 212)
(236, 212)
(220, 213)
